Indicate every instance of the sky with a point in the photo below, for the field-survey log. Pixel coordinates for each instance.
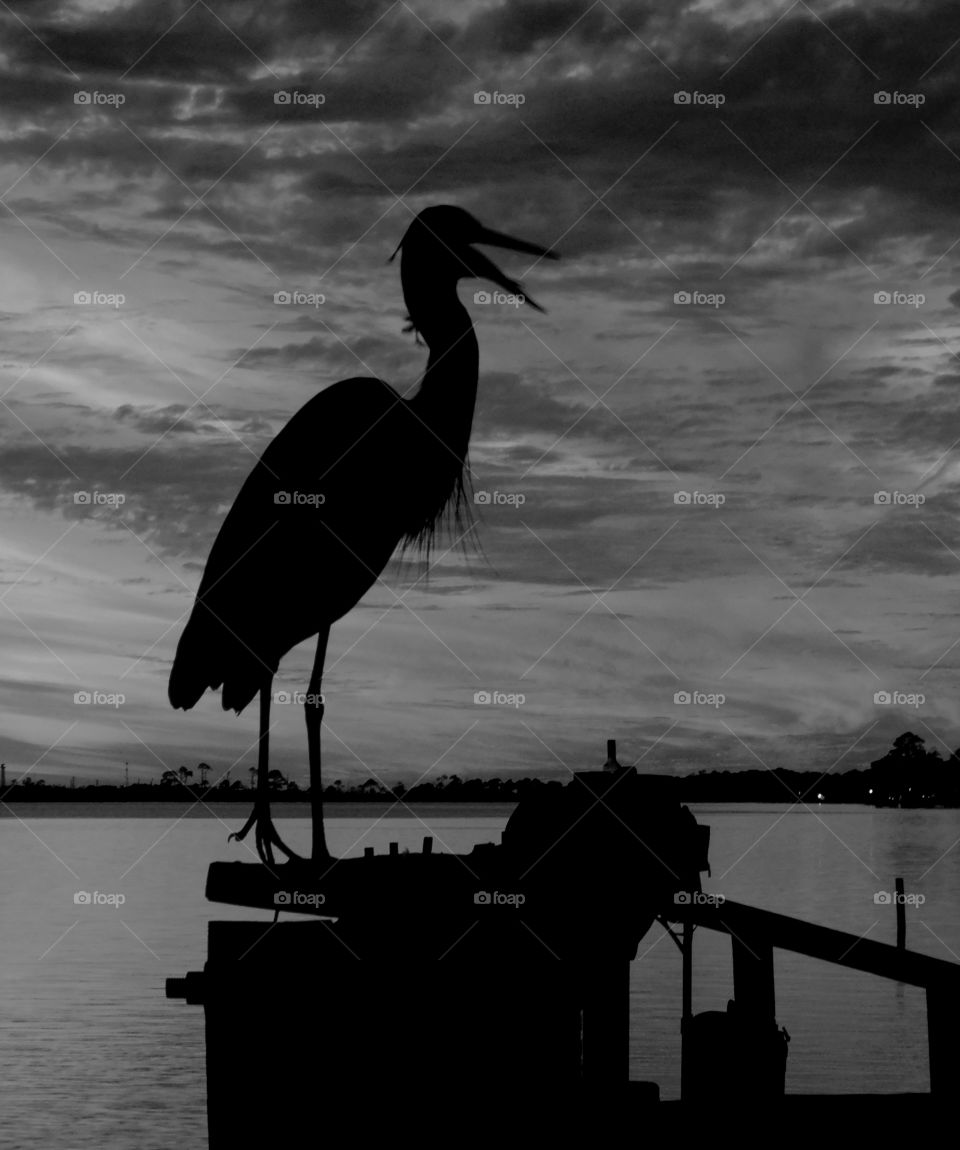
(722, 467)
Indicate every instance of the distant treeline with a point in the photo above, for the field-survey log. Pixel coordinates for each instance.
(908, 775)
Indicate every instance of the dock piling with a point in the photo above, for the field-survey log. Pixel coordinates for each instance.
(753, 984)
(901, 915)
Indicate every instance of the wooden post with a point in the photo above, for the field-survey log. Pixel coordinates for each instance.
(758, 1054)
(606, 1024)
(686, 1013)
(753, 986)
(943, 1025)
(687, 1005)
(901, 915)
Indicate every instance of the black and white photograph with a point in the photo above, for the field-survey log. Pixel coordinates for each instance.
(479, 571)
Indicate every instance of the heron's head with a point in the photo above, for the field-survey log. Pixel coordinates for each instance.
(439, 249)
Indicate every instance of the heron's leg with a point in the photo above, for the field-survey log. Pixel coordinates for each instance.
(314, 716)
(265, 833)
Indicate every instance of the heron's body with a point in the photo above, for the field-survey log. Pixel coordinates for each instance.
(311, 560)
(356, 472)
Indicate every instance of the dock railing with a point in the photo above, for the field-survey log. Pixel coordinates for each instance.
(756, 933)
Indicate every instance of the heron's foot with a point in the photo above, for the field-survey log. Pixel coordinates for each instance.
(266, 835)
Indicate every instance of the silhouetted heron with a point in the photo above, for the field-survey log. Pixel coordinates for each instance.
(356, 472)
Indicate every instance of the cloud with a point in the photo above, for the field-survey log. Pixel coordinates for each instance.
(796, 399)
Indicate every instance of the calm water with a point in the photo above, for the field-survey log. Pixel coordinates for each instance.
(92, 1054)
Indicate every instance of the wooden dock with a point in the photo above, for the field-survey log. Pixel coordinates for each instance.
(498, 982)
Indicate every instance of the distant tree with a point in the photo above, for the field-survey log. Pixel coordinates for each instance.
(169, 779)
(909, 746)
(951, 780)
(185, 773)
(908, 772)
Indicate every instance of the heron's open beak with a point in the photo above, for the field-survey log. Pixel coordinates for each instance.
(499, 240)
(484, 268)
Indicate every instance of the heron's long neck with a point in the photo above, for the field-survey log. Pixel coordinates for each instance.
(448, 392)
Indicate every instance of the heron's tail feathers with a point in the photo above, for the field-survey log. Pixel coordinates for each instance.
(192, 671)
(210, 656)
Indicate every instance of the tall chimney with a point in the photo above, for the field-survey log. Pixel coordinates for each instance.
(611, 764)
